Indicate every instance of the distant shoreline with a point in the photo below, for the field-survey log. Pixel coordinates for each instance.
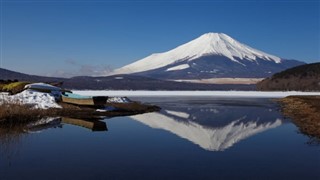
(244, 94)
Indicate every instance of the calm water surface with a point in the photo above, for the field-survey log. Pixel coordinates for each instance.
(190, 138)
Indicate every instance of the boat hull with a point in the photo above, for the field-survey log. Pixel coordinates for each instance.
(92, 101)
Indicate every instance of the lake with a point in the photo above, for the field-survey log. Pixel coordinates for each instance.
(190, 138)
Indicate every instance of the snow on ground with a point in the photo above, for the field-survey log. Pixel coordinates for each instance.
(118, 100)
(253, 94)
(35, 99)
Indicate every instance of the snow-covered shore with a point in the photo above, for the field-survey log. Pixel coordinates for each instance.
(245, 94)
(47, 100)
(33, 98)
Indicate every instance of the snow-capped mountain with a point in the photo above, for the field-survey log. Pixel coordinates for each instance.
(208, 56)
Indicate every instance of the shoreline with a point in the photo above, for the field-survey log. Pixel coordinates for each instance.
(304, 111)
(303, 108)
(231, 93)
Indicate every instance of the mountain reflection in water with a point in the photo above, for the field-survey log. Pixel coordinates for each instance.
(214, 125)
(196, 138)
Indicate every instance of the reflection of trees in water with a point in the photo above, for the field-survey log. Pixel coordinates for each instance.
(11, 138)
(312, 141)
(13, 134)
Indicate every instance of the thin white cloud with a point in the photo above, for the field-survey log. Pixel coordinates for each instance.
(79, 69)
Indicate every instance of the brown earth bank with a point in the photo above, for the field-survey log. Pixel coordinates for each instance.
(18, 113)
(304, 112)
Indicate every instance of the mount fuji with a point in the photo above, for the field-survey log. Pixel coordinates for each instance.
(212, 55)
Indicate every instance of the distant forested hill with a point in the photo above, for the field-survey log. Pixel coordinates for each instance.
(6, 74)
(300, 78)
(120, 82)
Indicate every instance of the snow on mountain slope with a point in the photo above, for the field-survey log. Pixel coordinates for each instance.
(208, 44)
(179, 67)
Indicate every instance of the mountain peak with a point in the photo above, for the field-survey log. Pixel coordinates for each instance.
(215, 44)
(224, 45)
(213, 35)
(216, 37)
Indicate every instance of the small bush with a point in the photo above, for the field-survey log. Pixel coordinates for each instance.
(14, 87)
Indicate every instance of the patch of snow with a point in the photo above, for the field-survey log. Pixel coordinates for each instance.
(180, 67)
(35, 99)
(118, 100)
(118, 78)
(245, 94)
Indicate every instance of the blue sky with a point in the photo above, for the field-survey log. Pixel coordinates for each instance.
(66, 38)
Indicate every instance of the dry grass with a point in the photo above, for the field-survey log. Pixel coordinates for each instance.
(305, 113)
(16, 112)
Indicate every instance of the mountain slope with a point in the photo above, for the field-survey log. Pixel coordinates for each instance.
(211, 55)
(300, 78)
